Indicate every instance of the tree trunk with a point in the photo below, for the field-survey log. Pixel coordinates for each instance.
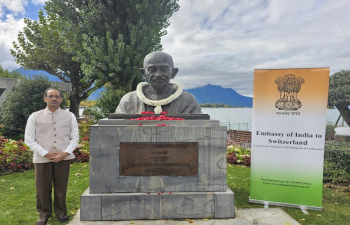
(74, 104)
(344, 112)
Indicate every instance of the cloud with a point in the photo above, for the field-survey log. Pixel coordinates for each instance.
(221, 42)
(9, 29)
(14, 6)
(12, 13)
(38, 2)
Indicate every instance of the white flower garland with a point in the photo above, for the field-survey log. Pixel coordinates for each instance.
(158, 103)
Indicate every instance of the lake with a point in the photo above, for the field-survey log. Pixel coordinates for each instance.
(241, 118)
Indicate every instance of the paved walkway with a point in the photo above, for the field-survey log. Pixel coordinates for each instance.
(253, 216)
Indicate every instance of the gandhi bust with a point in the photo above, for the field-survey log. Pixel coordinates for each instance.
(158, 94)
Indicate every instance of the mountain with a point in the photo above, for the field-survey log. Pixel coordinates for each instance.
(27, 73)
(96, 94)
(217, 94)
(206, 94)
(38, 72)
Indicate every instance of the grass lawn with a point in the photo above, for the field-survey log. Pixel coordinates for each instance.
(336, 201)
(17, 199)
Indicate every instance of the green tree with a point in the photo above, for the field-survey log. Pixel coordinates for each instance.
(111, 38)
(109, 99)
(26, 97)
(40, 47)
(7, 74)
(339, 93)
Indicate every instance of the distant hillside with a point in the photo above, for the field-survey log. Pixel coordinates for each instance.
(93, 96)
(38, 72)
(96, 94)
(206, 94)
(217, 94)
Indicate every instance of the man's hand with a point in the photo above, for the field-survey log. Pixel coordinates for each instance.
(50, 154)
(58, 156)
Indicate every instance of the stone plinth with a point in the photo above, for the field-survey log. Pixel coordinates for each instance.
(144, 206)
(115, 197)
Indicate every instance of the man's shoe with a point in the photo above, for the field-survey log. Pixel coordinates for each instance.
(63, 219)
(41, 222)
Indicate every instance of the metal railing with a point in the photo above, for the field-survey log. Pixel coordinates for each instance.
(237, 126)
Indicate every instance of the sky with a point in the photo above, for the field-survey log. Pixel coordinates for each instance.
(221, 42)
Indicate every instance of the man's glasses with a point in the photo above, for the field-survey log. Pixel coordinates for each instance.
(53, 96)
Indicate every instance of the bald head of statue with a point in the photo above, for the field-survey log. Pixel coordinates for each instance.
(158, 69)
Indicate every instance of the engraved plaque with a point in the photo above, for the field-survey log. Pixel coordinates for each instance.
(158, 158)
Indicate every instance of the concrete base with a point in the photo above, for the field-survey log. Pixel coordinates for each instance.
(105, 151)
(145, 206)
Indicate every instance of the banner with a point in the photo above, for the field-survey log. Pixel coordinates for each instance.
(288, 135)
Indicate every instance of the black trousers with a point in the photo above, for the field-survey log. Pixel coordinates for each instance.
(47, 174)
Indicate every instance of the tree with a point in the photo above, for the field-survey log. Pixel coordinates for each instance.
(40, 47)
(109, 100)
(111, 38)
(7, 74)
(25, 98)
(339, 93)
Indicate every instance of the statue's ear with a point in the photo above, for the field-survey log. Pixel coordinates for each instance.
(175, 70)
(142, 72)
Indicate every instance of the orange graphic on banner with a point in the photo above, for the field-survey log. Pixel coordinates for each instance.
(290, 89)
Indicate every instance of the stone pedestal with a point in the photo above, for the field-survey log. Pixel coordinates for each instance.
(115, 197)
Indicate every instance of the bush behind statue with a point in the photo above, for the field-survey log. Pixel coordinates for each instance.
(105, 104)
(25, 98)
(109, 100)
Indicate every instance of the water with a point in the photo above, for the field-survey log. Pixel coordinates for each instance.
(241, 118)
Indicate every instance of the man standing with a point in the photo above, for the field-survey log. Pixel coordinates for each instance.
(52, 134)
(158, 94)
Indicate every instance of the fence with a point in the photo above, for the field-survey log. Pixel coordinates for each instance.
(237, 126)
(240, 137)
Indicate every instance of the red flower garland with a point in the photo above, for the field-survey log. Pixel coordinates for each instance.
(161, 117)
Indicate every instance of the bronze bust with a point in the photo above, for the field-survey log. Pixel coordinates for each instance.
(158, 94)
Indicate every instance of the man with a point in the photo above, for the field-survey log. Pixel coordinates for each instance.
(158, 94)
(52, 134)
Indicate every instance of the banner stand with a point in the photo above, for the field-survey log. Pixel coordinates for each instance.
(267, 203)
(288, 137)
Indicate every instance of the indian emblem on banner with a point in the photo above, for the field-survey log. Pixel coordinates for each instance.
(289, 86)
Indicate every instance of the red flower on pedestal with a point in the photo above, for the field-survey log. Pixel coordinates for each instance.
(161, 117)
(144, 112)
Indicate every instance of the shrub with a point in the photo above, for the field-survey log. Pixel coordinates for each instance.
(14, 156)
(109, 99)
(84, 130)
(231, 158)
(93, 114)
(88, 103)
(25, 98)
(334, 174)
(247, 159)
(238, 154)
(82, 152)
(337, 162)
(330, 132)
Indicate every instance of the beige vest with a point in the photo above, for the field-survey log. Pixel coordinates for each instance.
(52, 132)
